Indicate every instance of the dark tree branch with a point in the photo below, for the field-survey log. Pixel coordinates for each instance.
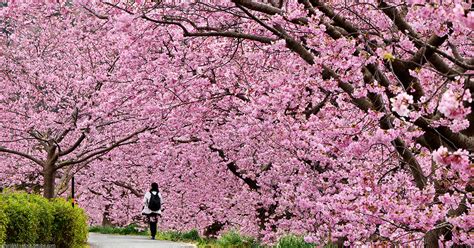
(102, 17)
(404, 27)
(229, 34)
(253, 185)
(314, 110)
(63, 135)
(129, 187)
(260, 7)
(458, 139)
(339, 20)
(21, 154)
(102, 151)
(192, 139)
(74, 146)
(234, 35)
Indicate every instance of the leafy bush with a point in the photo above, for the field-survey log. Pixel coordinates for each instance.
(22, 217)
(32, 219)
(70, 224)
(3, 225)
(45, 219)
(292, 241)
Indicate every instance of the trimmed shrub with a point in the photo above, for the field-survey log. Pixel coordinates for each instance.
(32, 219)
(3, 225)
(70, 224)
(45, 219)
(22, 217)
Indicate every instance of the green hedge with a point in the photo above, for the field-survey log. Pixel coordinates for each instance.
(3, 226)
(32, 219)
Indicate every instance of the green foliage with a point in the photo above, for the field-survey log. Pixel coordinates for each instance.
(191, 236)
(292, 241)
(169, 235)
(127, 230)
(32, 219)
(233, 239)
(22, 217)
(44, 211)
(131, 229)
(70, 224)
(3, 225)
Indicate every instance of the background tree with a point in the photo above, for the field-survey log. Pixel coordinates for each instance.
(63, 106)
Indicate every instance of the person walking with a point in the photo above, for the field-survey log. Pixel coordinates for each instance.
(152, 207)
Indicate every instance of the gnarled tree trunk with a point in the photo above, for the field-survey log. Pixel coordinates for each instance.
(49, 175)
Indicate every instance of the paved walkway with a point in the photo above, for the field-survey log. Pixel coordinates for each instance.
(119, 241)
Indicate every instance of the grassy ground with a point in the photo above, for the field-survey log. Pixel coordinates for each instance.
(128, 230)
(230, 239)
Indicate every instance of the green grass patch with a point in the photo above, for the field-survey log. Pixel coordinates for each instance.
(231, 239)
(126, 230)
(292, 241)
(190, 236)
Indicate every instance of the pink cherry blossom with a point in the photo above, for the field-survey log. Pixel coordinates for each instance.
(451, 104)
(336, 120)
(401, 102)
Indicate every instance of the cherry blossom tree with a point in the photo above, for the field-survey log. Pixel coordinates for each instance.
(62, 105)
(405, 68)
(342, 121)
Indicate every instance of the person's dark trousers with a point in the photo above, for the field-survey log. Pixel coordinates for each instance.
(152, 220)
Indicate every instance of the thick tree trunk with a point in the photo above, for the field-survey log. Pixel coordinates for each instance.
(213, 230)
(49, 176)
(431, 238)
(49, 171)
(106, 216)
